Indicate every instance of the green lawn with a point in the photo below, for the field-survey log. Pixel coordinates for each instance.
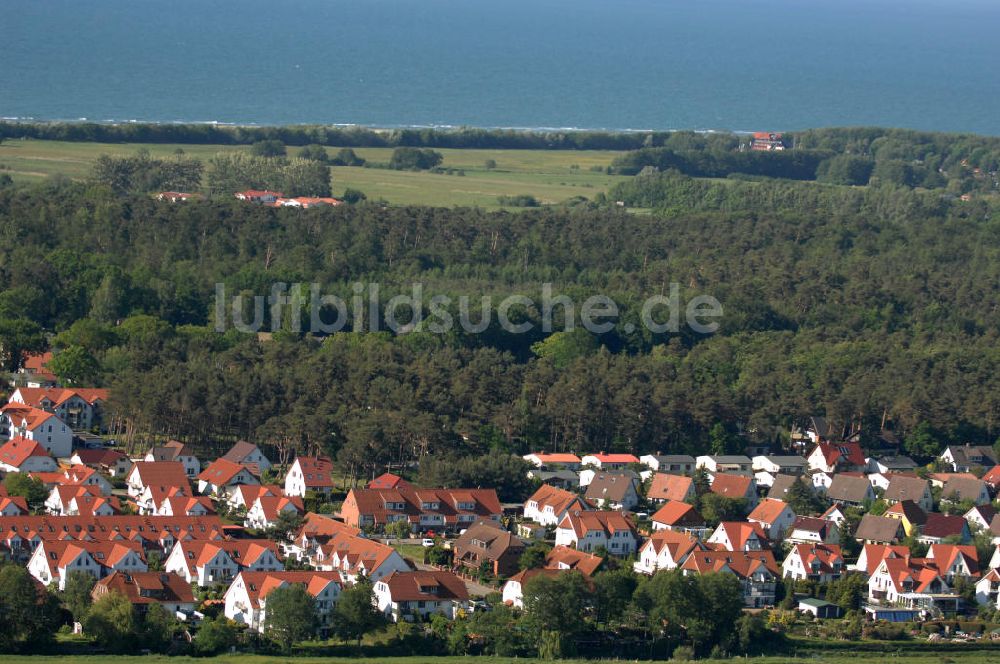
(551, 176)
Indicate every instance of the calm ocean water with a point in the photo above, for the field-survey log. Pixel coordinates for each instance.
(617, 64)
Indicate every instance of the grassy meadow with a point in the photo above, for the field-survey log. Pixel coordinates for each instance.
(551, 176)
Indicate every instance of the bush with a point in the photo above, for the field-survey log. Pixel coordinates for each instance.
(414, 159)
(268, 148)
(683, 653)
(520, 200)
(347, 157)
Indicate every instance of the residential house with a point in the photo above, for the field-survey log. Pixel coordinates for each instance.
(563, 479)
(53, 560)
(757, 572)
(810, 530)
(780, 465)
(109, 462)
(22, 455)
(242, 496)
(938, 480)
(423, 509)
(393, 481)
(605, 461)
(872, 555)
(738, 536)
(888, 465)
(665, 550)
(909, 513)
(953, 560)
(817, 562)
(354, 556)
(163, 474)
(616, 491)
(905, 582)
(185, 506)
(80, 409)
(265, 510)
(879, 530)
(554, 460)
(249, 455)
(738, 487)
(59, 502)
(35, 369)
(964, 458)
(675, 464)
(221, 476)
(258, 196)
(726, 463)
(587, 475)
(566, 558)
(850, 490)
(682, 517)
(774, 516)
(960, 489)
(988, 589)
(781, 483)
(208, 563)
(548, 505)
(513, 590)
(819, 608)
(487, 544)
(979, 517)
(246, 598)
(19, 420)
(902, 487)
(940, 527)
(418, 595)
(174, 450)
(837, 457)
(835, 514)
(992, 479)
(306, 202)
(143, 589)
(13, 505)
(590, 531)
(665, 487)
(309, 474)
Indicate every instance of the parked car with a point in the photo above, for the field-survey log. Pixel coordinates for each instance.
(427, 542)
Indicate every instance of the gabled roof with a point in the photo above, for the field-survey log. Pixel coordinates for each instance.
(910, 510)
(610, 487)
(551, 496)
(614, 458)
(849, 488)
(782, 483)
(606, 521)
(556, 457)
(17, 451)
(964, 488)
(676, 513)
(31, 417)
(388, 481)
(37, 397)
(740, 532)
(811, 524)
(315, 471)
(902, 487)
(487, 539)
(849, 453)
(741, 563)
(878, 528)
(828, 557)
(425, 585)
(259, 584)
(147, 587)
(768, 511)
(160, 473)
(731, 486)
(381, 503)
(98, 457)
(679, 544)
(985, 512)
(564, 557)
(945, 555)
(669, 487)
(220, 472)
(992, 476)
(272, 506)
(874, 554)
(239, 451)
(943, 525)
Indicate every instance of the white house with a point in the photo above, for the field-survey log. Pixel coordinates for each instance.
(18, 420)
(22, 455)
(553, 460)
(665, 549)
(675, 464)
(549, 504)
(221, 475)
(246, 597)
(54, 560)
(606, 461)
(818, 562)
(218, 562)
(78, 408)
(309, 474)
(418, 595)
(265, 510)
(249, 455)
(774, 516)
(726, 463)
(592, 530)
(174, 450)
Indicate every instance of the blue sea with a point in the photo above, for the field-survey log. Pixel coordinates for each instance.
(607, 64)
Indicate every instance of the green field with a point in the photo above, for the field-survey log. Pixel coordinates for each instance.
(551, 176)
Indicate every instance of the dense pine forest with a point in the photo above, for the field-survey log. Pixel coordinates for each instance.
(877, 307)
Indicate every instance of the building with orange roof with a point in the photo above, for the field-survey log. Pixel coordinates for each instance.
(143, 589)
(812, 530)
(416, 596)
(162, 474)
(774, 516)
(35, 368)
(309, 474)
(767, 141)
(423, 509)
(665, 486)
(907, 582)
(246, 598)
(952, 560)
(79, 408)
(185, 506)
(249, 455)
(513, 590)
(265, 510)
(13, 505)
(220, 476)
(242, 496)
(816, 562)
(53, 560)
(872, 555)
(593, 530)
(738, 536)
(175, 450)
(209, 563)
(258, 196)
(20, 420)
(737, 487)
(388, 481)
(605, 461)
(23, 455)
(665, 549)
(549, 504)
(355, 556)
(566, 558)
(837, 457)
(757, 572)
(109, 462)
(553, 460)
(675, 515)
(988, 589)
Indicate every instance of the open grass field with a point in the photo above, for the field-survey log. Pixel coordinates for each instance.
(551, 176)
(973, 657)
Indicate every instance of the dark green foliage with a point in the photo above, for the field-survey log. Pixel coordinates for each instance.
(354, 614)
(315, 153)
(506, 473)
(28, 614)
(141, 173)
(353, 196)
(31, 489)
(520, 200)
(347, 157)
(414, 159)
(215, 636)
(290, 615)
(76, 596)
(534, 556)
(845, 169)
(268, 148)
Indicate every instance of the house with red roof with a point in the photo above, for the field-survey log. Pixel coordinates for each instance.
(423, 509)
(306, 202)
(737, 487)
(209, 563)
(549, 504)
(738, 536)
(906, 582)
(185, 506)
(246, 597)
(816, 562)
(952, 560)
(258, 196)
(566, 558)
(812, 530)
(242, 496)
(35, 368)
(605, 461)
(220, 476)
(757, 572)
(265, 510)
(767, 141)
(13, 505)
(554, 460)
(665, 549)
(61, 497)
(940, 527)
(416, 596)
(665, 486)
(774, 516)
(22, 455)
(53, 560)
(109, 462)
(143, 589)
(79, 408)
(175, 450)
(388, 481)
(592, 530)
(837, 457)
(678, 516)
(992, 479)
(19, 420)
(309, 474)
(352, 556)
(872, 555)
(163, 474)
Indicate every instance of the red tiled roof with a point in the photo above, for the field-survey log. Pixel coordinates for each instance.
(18, 450)
(669, 487)
(768, 510)
(315, 471)
(147, 587)
(564, 557)
(676, 513)
(731, 486)
(220, 472)
(430, 585)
